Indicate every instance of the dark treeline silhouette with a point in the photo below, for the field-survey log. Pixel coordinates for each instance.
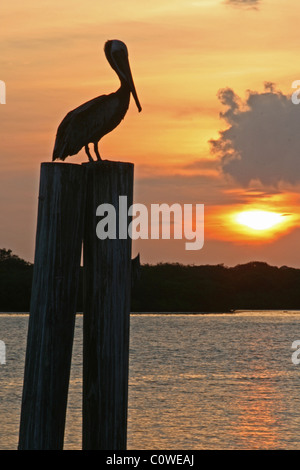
(217, 288)
(15, 282)
(176, 287)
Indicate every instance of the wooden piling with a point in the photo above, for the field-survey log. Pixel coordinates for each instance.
(53, 306)
(106, 311)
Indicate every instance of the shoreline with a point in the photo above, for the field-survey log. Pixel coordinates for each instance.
(233, 312)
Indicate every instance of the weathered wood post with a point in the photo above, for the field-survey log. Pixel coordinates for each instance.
(106, 311)
(53, 306)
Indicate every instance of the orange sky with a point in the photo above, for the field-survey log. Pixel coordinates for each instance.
(181, 53)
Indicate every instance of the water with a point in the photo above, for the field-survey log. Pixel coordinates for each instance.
(196, 382)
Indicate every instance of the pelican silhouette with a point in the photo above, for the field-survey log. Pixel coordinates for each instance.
(88, 123)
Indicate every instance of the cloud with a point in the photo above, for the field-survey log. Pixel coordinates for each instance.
(244, 3)
(262, 142)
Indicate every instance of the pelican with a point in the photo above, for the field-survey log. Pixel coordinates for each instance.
(88, 123)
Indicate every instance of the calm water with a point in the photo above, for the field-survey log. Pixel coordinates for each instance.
(196, 382)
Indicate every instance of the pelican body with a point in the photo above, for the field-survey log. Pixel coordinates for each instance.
(88, 123)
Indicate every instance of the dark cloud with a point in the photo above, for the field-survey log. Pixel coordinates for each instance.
(244, 3)
(262, 142)
(202, 165)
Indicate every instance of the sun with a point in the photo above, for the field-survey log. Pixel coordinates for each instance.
(259, 220)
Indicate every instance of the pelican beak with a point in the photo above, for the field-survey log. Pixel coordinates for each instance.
(126, 73)
(133, 91)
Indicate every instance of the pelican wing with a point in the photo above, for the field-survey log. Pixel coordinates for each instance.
(81, 126)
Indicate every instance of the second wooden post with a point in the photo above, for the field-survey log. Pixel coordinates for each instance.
(106, 311)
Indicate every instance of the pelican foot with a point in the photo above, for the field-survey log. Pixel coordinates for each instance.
(99, 159)
(87, 151)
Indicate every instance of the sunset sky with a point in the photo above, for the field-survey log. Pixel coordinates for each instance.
(218, 126)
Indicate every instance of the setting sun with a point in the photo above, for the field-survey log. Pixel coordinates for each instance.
(259, 220)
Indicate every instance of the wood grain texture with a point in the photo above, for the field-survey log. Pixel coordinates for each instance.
(107, 286)
(53, 306)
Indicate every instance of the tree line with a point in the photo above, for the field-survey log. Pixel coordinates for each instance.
(168, 287)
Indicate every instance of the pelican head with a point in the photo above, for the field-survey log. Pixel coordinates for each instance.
(117, 55)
